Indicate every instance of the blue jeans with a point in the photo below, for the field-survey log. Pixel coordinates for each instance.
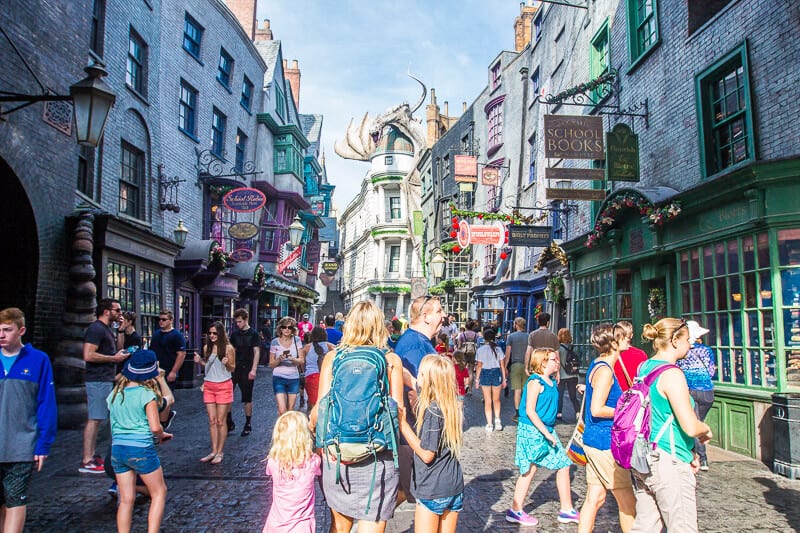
(440, 505)
(140, 459)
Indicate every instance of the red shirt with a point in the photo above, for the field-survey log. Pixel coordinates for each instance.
(461, 376)
(631, 358)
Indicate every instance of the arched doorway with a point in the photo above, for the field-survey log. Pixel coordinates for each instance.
(19, 243)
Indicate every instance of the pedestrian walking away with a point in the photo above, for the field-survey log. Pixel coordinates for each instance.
(285, 359)
(666, 496)
(219, 360)
(246, 342)
(313, 354)
(133, 407)
(567, 372)
(334, 335)
(28, 417)
(537, 442)
(490, 374)
(293, 467)
(516, 346)
(438, 481)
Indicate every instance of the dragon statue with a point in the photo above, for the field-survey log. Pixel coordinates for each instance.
(360, 139)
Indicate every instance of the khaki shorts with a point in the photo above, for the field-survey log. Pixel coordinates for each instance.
(602, 469)
(518, 376)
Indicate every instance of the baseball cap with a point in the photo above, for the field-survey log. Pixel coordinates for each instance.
(695, 330)
(305, 315)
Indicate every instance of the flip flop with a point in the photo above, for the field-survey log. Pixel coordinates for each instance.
(208, 458)
(217, 459)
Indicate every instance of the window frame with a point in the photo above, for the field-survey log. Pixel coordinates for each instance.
(600, 58)
(225, 68)
(98, 27)
(280, 103)
(637, 50)
(394, 208)
(135, 66)
(241, 150)
(495, 75)
(246, 98)
(219, 124)
(187, 111)
(138, 187)
(393, 262)
(494, 121)
(192, 43)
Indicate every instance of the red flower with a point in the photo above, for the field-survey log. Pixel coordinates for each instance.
(455, 220)
(453, 234)
(503, 255)
(455, 225)
(456, 248)
(480, 216)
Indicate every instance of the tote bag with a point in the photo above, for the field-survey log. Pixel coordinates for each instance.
(574, 449)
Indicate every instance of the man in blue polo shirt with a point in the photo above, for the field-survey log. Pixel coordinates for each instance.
(334, 335)
(415, 343)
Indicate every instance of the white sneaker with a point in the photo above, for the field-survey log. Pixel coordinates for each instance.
(498, 426)
(489, 428)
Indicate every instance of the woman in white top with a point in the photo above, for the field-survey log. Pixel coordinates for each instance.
(313, 354)
(286, 358)
(217, 387)
(490, 374)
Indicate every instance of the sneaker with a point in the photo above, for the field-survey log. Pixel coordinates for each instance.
(571, 516)
(98, 460)
(91, 468)
(170, 418)
(246, 430)
(520, 517)
(489, 428)
(113, 491)
(498, 426)
(515, 419)
(704, 466)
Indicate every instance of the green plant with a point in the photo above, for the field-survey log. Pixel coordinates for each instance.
(219, 257)
(656, 216)
(389, 288)
(555, 288)
(656, 304)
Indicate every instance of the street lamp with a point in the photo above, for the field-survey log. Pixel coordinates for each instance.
(180, 233)
(296, 231)
(437, 263)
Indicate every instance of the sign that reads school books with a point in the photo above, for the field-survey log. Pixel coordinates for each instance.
(466, 168)
(490, 176)
(622, 154)
(573, 137)
(534, 236)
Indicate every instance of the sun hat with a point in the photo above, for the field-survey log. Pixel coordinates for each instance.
(695, 330)
(142, 365)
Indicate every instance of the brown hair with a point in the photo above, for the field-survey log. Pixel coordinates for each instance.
(13, 315)
(603, 339)
(286, 321)
(664, 331)
(167, 312)
(564, 336)
(623, 330)
(241, 313)
(221, 344)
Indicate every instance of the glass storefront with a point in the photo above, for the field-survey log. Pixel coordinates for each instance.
(594, 299)
(789, 265)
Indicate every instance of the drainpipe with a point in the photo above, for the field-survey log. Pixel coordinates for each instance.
(524, 78)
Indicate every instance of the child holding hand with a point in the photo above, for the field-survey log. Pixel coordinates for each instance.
(293, 466)
(537, 442)
(438, 482)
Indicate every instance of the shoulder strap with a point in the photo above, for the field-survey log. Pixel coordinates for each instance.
(657, 371)
(625, 371)
(591, 375)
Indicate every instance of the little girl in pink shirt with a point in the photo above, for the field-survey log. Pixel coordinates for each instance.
(293, 466)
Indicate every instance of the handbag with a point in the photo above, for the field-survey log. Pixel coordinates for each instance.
(574, 449)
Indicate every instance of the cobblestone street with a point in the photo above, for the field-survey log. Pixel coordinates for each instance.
(738, 494)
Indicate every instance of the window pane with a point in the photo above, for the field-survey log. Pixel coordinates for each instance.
(748, 253)
(733, 256)
(789, 247)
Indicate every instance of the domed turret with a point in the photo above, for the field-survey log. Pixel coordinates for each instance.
(392, 140)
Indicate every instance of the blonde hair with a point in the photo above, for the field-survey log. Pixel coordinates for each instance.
(538, 359)
(520, 323)
(364, 326)
(564, 336)
(418, 306)
(603, 339)
(292, 443)
(623, 330)
(664, 331)
(436, 380)
(123, 382)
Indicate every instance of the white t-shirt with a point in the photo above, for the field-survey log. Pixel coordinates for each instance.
(489, 359)
(286, 369)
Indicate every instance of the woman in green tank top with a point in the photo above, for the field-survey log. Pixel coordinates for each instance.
(666, 496)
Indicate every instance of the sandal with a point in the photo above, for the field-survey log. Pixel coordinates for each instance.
(217, 459)
(208, 457)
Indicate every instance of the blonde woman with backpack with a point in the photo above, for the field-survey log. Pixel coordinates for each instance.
(666, 496)
(365, 490)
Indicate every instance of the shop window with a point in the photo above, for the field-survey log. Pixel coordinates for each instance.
(598, 58)
(217, 309)
(642, 27)
(593, 304)
(120, 284)
(131, 181)
(139, 290)
(789, 257)
(136, 72)
(192, 36)
(725, 113)
(727, 287)
(225, 68)
(150, 298)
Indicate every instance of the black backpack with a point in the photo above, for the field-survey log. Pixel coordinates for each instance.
(571, 363)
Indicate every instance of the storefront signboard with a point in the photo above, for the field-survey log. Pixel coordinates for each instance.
(622, 154)
(573, 137)
(533, 236)
(292, 257)
(244, 200)
(330, 267)
(561, 173)
(222, 283)
(466, 168)
(242, 255)
(486, 234)
(312, 251)
(490, 176)
(326, 279)
(575, 194)
(317, 205)
(242, 231)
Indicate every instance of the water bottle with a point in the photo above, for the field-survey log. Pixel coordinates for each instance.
(132, 349)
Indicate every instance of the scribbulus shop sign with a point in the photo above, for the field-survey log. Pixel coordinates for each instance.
(472, 234)
(573, 137)
(244, 200)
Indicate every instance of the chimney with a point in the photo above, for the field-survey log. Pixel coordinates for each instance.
(432, 119)
(522, 25)
(263, 34)
(446, 109)
(245, 11)
(463, 107)
(292, 74)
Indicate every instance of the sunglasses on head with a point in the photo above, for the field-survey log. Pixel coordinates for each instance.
(682, 325)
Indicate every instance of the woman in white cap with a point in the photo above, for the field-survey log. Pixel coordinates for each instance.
(700, 368)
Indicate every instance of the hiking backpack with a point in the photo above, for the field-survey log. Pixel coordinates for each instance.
(470, 347)
(630, 432)
(571, 363)
(357, 418)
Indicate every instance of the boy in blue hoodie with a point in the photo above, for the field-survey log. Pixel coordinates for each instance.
(28, 417)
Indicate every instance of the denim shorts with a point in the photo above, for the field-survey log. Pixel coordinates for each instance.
(140, 459)
(440, 505)
(285, 385)
(491, 377)
(14, 481)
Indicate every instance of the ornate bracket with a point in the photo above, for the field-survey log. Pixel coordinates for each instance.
(566, 3)
(210, 166)
(168, 191)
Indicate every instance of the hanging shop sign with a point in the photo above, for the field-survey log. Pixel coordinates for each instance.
(326, 279)
(466, 168)
(330, 267)
(533, 236)
(290, 272)
(242, 255)
(575, 194)
(573, 137)
(419, 287)
(244, 200)
(494, 234)
(622, 154)
(490, 176)
(560, 173)
(317, 205)
(313, 251)
(419, 223)
(291, 258)
(242, 231)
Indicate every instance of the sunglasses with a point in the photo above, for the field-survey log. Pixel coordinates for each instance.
(213, 333)
(285, 327)
(163, 319)
(683, 325)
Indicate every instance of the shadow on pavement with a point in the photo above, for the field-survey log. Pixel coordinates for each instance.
(783, 500)
(480, 496)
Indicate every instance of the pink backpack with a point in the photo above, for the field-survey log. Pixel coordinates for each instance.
(630, 433)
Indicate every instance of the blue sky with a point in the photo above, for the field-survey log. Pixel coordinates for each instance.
(354, 56)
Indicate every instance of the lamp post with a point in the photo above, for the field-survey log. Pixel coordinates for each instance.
(437, 263)
(296, 232)
(180, 233)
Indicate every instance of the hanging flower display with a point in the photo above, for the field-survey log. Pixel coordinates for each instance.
(554, 251)
(608, 216)
(450, 247)
(260, 277)
(219, 257)
(538, 310)
(514, 218)
(656, 305)
(555, 288)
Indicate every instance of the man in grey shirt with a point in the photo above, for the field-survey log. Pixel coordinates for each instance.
(541, 338)
(516, 346)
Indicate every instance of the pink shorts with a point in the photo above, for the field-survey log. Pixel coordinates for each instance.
(220, 393)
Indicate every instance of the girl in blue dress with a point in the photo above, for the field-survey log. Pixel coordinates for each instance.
(537, 442)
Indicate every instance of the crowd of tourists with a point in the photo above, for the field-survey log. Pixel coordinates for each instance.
(373, 409)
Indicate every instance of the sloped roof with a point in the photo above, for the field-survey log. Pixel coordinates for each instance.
(269, 51)
(312, 129)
